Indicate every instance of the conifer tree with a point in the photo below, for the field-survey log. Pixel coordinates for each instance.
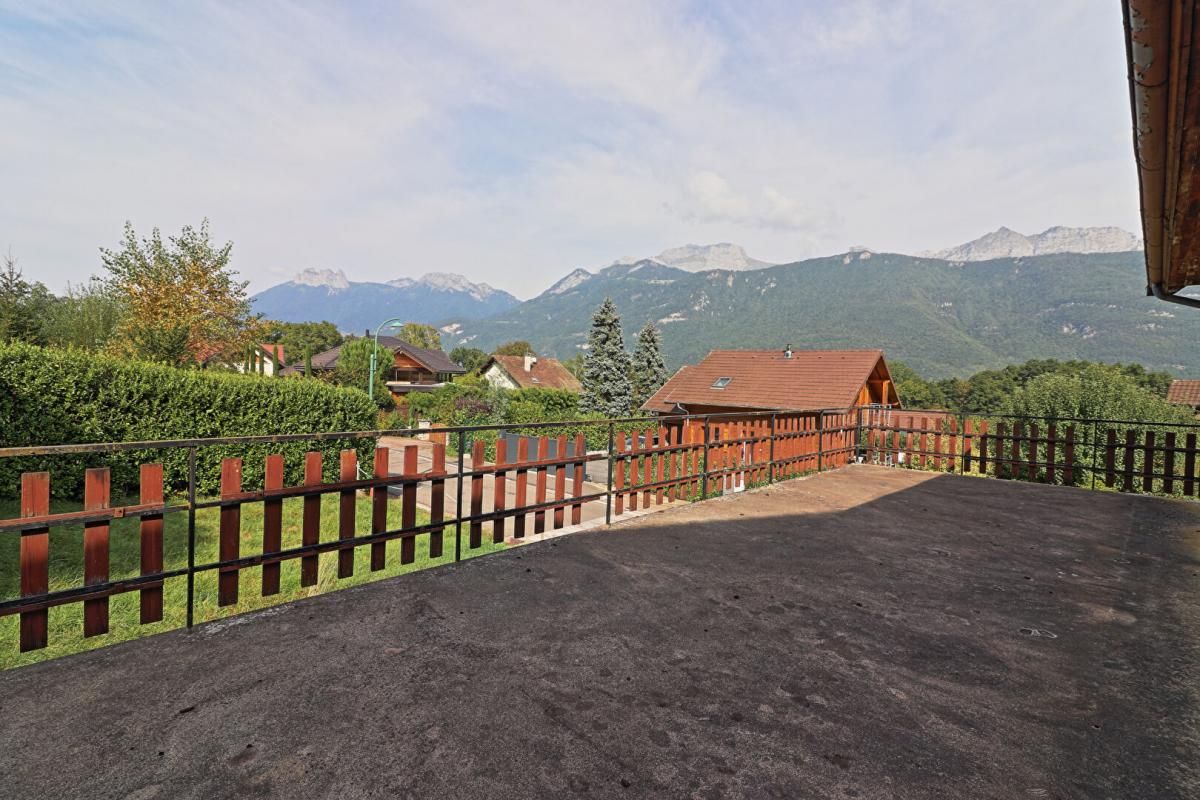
(649, 372)
(606, 388)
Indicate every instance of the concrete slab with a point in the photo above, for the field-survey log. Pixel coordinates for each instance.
(868, 633)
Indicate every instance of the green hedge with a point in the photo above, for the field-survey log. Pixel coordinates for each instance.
(50, 396)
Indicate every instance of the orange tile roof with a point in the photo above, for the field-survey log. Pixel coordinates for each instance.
(547, 373)
(767, 379)
(1184, 392)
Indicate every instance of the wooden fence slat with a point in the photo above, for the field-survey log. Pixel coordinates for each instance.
(478, 458)
(379, 497)
(577, 478)
(96, 486)
(437, 499)
(35, 559)
(1069, 458)
(968, 443)
(1014, 463)
(1130, 443)
(1148, 463)
(670, 432)
(543, 453)
(1189, 466)
(150, 531)
(310, 528)
(231, 532)
(560, 481)
(635, 474)
(1031, 468)
(522, 478)
(660, 467)
(272, 523)
(983, 451)
(408, 507)
(1110, 459)
(647, 467)
(619, 474)
(937, 445)
(953, 443)
(1169, 464)
(1051, 448)
(500, 490)
(347, 510)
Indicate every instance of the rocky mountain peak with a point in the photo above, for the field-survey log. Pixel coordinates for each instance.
(333, 279)
(1007, 243)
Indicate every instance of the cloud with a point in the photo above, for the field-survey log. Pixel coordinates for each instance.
(514, 142)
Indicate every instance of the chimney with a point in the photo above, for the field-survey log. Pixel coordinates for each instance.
(529, 362)
(787, 353)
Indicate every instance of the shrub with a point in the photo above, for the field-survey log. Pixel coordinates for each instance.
(50, 396)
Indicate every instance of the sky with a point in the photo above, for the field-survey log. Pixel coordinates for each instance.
(513, 142)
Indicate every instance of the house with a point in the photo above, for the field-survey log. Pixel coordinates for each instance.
(413, 369)
(777, 380)
(529, 372)
(263, 359)
(1185, 393)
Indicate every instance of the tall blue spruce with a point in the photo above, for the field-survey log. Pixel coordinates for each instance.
(648, 373)
(606, 387)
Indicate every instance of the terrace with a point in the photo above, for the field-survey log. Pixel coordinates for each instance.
(864, 631)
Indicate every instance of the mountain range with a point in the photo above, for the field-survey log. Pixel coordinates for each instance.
(327, 294)
(947, 313)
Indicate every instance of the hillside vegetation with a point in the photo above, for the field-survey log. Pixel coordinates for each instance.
(942, 318)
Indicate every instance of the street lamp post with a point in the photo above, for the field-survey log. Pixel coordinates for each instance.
(371, 379)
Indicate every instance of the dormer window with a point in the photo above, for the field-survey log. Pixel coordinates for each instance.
(721, 383)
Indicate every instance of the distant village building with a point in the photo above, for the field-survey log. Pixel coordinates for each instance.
(777, 380)
(1185, 393)
(528, 372)
(413, 369)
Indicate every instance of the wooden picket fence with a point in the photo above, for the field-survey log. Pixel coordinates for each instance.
(1117, 454)
(527, 491)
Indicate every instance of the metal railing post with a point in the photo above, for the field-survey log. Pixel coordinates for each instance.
(608, 496)
(771, 451)
(820, 440)
(704, 462)
(462, 445)
(191, 554)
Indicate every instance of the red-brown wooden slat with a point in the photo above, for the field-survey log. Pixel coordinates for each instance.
(35, 558)
(635, 474)
(478, 455)
(647, 467)
(408, 508)
(998, 442)
(437, 499)
(1014, 464)
(310, 528)
(1169, 464)
(1110, 459)
(347, 510)
(379, 497)
(983, 448)
(96, 484)
(1189, 466)
(560, 481)
(231, 532)
(660, 467)
(151, 536)
(937, 445)
(619, 475)
(577, 478)
(522, 478)
(1148, 463)
(953, 444)
(1069, 458)
(272, 523)
(1130, 444)
(923, 441)
(539, 497)
(968, 444)
(500, 490)
(1031, 469)
(671, 433)
(1051, 442)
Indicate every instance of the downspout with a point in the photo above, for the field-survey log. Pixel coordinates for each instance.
(1156, 289)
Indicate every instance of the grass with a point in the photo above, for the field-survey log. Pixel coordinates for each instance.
(66, 571)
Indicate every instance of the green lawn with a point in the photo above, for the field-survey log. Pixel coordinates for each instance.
(66, 571)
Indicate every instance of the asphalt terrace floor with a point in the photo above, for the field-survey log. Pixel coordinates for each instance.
(867, 633)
